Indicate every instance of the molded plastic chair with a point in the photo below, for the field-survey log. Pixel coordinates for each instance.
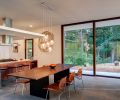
(71, 81)
(78, 76)
(57, 87)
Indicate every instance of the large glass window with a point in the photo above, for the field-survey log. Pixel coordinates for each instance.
(108, 48)
(104, 53)
(78, 46)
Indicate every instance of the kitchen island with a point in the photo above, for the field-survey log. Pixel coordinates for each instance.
(10, 66)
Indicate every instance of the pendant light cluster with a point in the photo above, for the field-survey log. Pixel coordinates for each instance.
(46, 43)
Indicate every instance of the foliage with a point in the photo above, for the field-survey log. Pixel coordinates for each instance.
(75, 52)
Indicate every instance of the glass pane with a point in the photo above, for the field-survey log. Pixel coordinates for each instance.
(78, 46)
(108, 48)
(29, 48)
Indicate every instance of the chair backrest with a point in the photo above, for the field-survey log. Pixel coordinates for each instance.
(71, 77)
(79, 73)
(62, 83)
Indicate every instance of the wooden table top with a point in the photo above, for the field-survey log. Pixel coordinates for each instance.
(38, 73)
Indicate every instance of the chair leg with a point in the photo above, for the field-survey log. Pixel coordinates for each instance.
(15, 88)
(59, 97)
(66, 94)
(82, 83)
(23, 88)
(26, 87)
(74, 87)
(66, 97)
(47, 95)
(69, 91)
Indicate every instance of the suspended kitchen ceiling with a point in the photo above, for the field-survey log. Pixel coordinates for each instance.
(18, 34)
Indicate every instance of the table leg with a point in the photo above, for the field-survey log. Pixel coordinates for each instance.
(61, 74)
(0, 79)
(36, 87)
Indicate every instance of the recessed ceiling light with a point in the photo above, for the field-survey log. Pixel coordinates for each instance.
(31, 26)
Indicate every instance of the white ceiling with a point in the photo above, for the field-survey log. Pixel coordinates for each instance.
(31, 12)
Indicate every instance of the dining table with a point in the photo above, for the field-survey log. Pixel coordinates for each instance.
(43, 76)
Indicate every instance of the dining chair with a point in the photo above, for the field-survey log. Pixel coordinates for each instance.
(57, 87)
(21, 81)
(71, 81)
(78, 76)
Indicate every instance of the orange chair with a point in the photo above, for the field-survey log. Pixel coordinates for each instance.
(71, 81)
(57, 87)
(79, 76)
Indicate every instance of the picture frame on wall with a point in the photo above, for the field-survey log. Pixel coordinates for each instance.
(15, 47)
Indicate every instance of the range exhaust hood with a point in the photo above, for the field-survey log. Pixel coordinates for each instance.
(7, 33)
(7, 39)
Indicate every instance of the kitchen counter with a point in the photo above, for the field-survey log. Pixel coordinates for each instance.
(11, 65)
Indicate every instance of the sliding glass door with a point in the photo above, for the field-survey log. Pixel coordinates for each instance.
(101, 56)
(108, 48)
(78, 46)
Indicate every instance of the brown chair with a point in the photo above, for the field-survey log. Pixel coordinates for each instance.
(71, 81)
(21, 81)
(78, 76)
(71, 77)
(57, 87)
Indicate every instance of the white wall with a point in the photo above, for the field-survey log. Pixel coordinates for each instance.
(5, 52)
(21, 50)
(43, 58)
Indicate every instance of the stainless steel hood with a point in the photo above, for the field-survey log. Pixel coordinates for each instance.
(7, 39)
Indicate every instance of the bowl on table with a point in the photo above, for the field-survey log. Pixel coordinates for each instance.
(52, 66)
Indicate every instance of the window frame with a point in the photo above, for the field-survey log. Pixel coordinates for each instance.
(26, 47)
(94, 40)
